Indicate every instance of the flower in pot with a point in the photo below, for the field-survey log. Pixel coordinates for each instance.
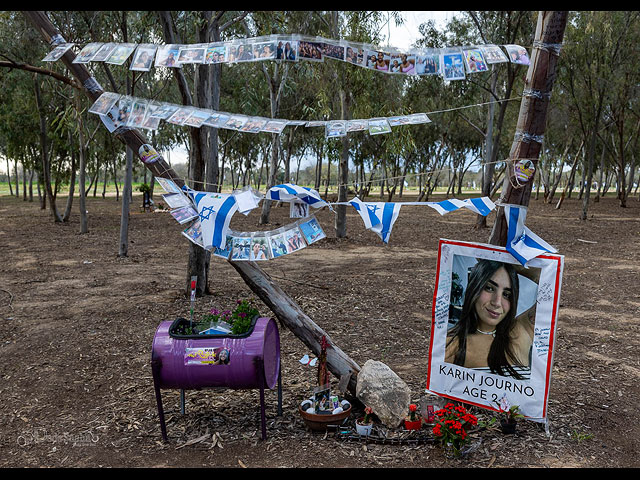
(413, 421)
(452, 424)
(364, 424)
(509, 419)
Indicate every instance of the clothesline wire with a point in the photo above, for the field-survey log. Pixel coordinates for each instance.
(204, 183)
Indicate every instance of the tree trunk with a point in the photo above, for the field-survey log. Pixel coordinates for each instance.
(533, 115)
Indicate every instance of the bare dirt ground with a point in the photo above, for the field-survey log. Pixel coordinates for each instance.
(77, 323)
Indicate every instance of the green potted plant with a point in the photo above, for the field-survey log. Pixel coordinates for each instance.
(413, 421)
(452, 424)
(365, 424)
(509, 418)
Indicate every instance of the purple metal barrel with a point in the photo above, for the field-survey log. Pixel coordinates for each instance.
(190, 362)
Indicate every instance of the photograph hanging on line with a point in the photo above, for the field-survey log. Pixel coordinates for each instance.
(378, 60)
(286, 50)
(264, 50)
(310, 50)
(274, 126)
(517, 54)
(180, 115)
(168, 185)
(167, 56)
(87, 53)
(241, 247)
(357, 125)
(165, 110)
(176, 200)
(103, 52)
(138, 110)
(335, 128)
(121, 53)
(493, 54)
(298, 209)
(493, 326)
(226, 251)
(427, 64)
(191, 54)
(197, 118)
(474, 59)
(259, 247)
(143, 58)
(452, 66)
(217, 119)
(311, 230)
(57, 52)
(104, 103)
(194, 233)
(355, 54)
(378, 126)
(184, 214)
(216, 53)
(277, 242)
(293, 239)
(254, 125)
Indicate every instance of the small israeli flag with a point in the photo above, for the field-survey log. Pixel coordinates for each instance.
(215, 211)
(481, 206)
(377, 216)
(288, 191)
(522, 243)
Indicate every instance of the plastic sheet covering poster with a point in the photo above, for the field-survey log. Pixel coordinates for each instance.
(493, 327)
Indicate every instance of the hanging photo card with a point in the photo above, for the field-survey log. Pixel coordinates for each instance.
(254, 125)
(398, 120)
(226, 251)
(167, 56)
(286, 49)
(277, 243)
(168, 185)
(180, 115)
(138, 110)
(236, 122)
(517, 54)
(294, 239)
(87, 53)
(57, 52)
(217, 119)
(335, 128)
(164, 111)
(104, 103)
(191, 54)
(240, 52)
(378, 60)
(378, 126)
(298, 209)
(194, 233)
(355, 54)
(418, 118)
(427, 64)
(357, 125)
(197, 118)
(333, 50)
(143, 58)
(104, 51)
(493, 54)
(311, 230)
(241, 247)
(184, 214)
(402, 63)
(274, 126)
(474, 60)
(310, 50)
(125, 104)
(216, 53)
(452, 66)
(121, 53)
(484, 296)
(176, 200)
(264, 50)
(259, 247)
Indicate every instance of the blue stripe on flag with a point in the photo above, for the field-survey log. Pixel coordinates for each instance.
(448, 206)
(481, 206)
(387, 217)
(219, 234)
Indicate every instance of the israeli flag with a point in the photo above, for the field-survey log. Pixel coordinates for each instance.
(215, 211)
(522, 243)
(482, 206)
(378, 217)
(288, 191)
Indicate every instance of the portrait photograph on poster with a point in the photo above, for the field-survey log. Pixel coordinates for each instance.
(493, 327)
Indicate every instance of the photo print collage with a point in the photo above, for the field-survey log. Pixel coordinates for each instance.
(117, 110)
(246, 246)
(452, 63)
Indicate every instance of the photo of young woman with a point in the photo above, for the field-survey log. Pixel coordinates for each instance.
(490, 334)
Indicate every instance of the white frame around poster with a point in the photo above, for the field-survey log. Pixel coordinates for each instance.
(477, 387)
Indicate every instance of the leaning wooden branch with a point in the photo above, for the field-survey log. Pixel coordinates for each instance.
(271, 294)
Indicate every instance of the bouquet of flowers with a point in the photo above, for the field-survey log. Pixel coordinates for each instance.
(452, 425)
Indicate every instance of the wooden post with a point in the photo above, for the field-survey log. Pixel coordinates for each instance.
(532, 120)
(279, 302)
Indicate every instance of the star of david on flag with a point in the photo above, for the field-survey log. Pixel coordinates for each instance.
(378, 217)
(215, 211)
(288, 191)
(522, 243)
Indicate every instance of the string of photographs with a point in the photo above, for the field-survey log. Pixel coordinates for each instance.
(210, 215)
(117, 110)
(452, 63)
